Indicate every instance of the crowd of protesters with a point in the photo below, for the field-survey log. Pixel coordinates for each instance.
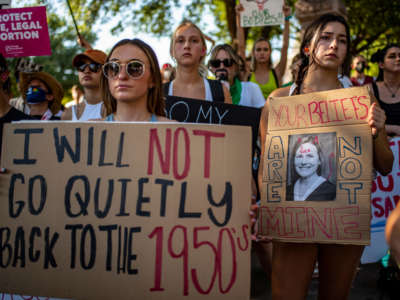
(128, 85)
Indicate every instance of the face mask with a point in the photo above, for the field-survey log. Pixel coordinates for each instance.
(35, 95)
(360, 67)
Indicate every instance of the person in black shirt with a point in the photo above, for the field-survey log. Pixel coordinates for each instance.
(7, 112)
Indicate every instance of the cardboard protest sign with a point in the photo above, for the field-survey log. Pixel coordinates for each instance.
(318, 168)
(384, 198)
(125, 210)
(24, 32)
(199, 111)
(261, 13)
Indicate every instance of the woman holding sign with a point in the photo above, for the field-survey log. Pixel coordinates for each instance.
(188, 48)
(263, 74)
(324, 51)
(131, 83)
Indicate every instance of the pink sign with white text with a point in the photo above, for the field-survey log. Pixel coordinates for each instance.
(24, 32)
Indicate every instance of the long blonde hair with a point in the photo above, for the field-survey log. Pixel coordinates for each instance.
(202, 67)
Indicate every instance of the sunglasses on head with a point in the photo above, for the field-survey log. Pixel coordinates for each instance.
(217, 62)
(93, 67)
(134, 68)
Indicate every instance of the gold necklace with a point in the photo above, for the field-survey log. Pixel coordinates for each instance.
(390, 90)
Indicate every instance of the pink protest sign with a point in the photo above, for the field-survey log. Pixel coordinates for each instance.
(24, 32)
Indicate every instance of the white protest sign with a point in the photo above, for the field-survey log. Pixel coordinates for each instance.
(261, 13)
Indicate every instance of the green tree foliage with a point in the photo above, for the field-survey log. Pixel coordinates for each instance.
(373, 23)
(64, 46)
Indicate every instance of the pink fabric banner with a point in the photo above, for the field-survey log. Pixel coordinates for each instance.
(24, 32)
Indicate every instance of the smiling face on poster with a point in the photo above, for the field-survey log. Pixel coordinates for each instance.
(261, 13)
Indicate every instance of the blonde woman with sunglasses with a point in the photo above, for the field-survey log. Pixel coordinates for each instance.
(131, 83)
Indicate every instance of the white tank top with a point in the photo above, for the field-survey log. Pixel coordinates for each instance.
(206, 86)
(91, 111)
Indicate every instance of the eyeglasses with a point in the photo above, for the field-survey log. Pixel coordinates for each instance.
(217, 62)
(93, 67)
(134, 68)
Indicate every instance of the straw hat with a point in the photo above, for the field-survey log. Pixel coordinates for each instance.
(55, 87)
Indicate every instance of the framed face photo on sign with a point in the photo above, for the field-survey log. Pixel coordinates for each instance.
(311, 167)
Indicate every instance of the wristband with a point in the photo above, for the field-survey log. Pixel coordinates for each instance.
(288, 18)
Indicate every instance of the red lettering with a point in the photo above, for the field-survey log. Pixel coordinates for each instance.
(273, 220)
(388, 206)
(387, 188)
(354, 106)
(365, 107)
(234, 262)
(325, 226)
(164, 159)
(376, 203)
(344, 109)
(337, 114)
(315, 111)
(244, 231)
(347, 229)
(158, 232)
(187, 153)
(277, 115)
(396, 199)
(300, 116)
(324, 104)
(207, 147)
(294, 229)
(183, 253)
(196, 245)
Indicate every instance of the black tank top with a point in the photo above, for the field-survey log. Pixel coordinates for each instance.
(392, 110)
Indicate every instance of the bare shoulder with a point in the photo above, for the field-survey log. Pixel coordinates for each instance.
(164, 119)
(281, 92)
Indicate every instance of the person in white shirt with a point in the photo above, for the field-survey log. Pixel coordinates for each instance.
(88, 64)
(224, 63)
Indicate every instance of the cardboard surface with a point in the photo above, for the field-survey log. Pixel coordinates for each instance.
(318, 168)
(24, 32)
(200, 111)
(261, 13)
(122, 210)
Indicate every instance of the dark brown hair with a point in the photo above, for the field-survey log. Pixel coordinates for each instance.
(313, 32)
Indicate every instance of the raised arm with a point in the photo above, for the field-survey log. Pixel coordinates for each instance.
(281, 67)
(240, 33)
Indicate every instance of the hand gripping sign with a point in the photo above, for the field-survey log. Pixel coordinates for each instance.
(117, 210)
(318, 168)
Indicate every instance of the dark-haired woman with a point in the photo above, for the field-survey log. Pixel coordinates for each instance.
(131, 84)
(263, 74)
(324, 50)
(387, 87)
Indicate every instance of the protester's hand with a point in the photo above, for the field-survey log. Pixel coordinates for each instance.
(239, 8)
(286, 10)
(376, 119)
(84, 43)
(253, 213)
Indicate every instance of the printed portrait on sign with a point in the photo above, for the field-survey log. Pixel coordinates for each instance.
(311, 170)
